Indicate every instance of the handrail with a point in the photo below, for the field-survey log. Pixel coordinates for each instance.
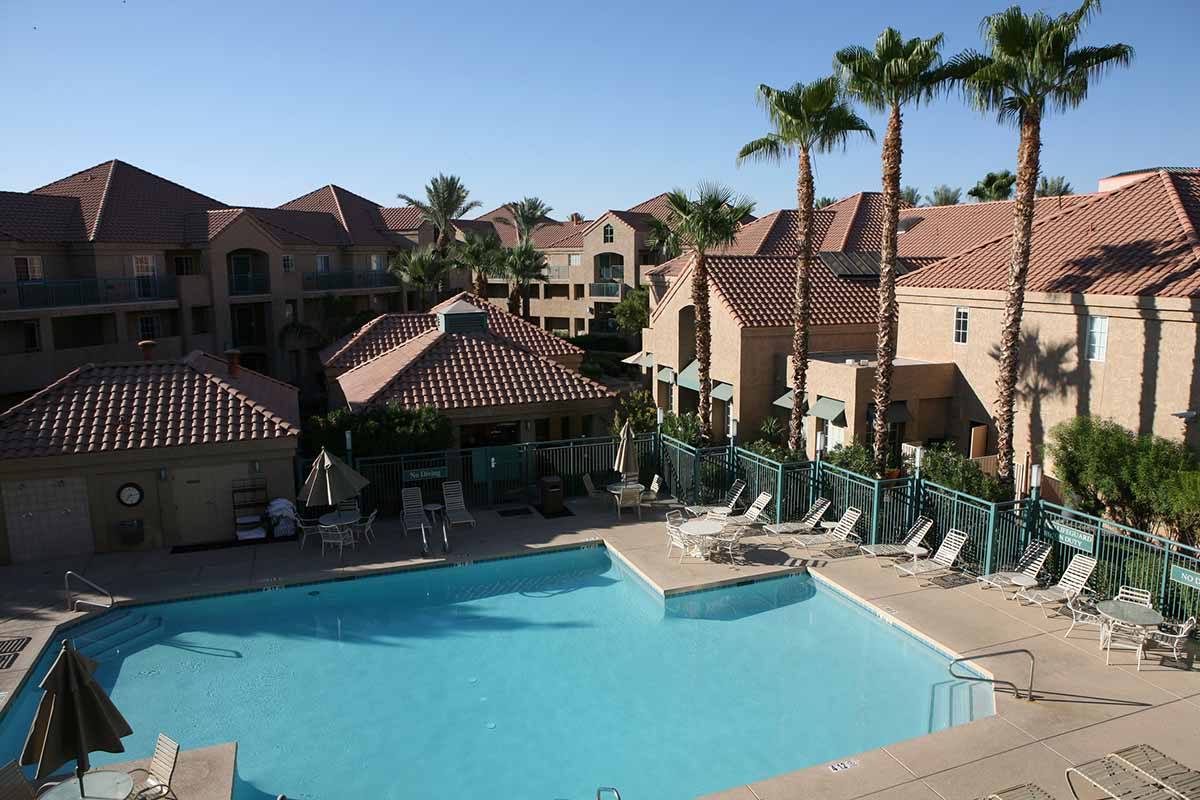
(604, 789)
(1016, 690)
(75, 606)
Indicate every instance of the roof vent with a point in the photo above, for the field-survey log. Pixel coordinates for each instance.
(462, 317)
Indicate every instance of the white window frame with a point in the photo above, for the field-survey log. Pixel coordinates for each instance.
(728, 418)
(33, 268)
(574, 259)
(1096, 346)
(323, 263)
(608, 234)
(289, 262)
(376, 262)
(146, 266)
(153, 320)
(963, 314)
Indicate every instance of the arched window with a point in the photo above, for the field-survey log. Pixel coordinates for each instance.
(608, 234)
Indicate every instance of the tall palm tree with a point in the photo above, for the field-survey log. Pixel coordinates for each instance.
(1055, 186)
(895, 73)
(523, 265)
(445, 201)
(709, 221)
(1033, 64)
(423, 267)
(482, 255)
(528, 214)
(911, 195)
(994, 186)
(944, 195)
(662, 239)
(824, 200)
(807, 117)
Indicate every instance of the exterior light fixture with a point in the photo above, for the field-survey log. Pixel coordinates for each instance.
(1035, 476)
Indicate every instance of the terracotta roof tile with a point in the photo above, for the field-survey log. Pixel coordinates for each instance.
(402, 218)
(362, 220)
(543, 236)
(759, 292)
(41, 218)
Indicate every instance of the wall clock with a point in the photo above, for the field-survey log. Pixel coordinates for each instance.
(130, 494)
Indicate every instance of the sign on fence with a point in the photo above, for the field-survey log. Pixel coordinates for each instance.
(424, 474)
(1185, 577)
(1074, 537)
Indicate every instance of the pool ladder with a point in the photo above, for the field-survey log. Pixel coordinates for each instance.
(73, 604)
(1016, 690)
(610, 790)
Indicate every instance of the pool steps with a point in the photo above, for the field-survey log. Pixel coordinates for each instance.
(117, 633)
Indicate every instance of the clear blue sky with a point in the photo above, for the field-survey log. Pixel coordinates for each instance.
(587, 106)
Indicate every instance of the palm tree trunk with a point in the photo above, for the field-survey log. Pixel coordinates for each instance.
(481, 283)
(1028, 163)
(703, 343)
(514, 300)
(885, 335)
(804, 203)
(525, 301)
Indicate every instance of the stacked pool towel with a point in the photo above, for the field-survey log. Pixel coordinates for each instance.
(283, 517)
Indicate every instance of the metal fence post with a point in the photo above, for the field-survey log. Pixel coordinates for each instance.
(696, 496)
(875, 490)
(991, 537)
(778, 492)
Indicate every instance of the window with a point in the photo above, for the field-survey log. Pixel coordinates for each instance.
(289, 310)
(322, 263)
(201, 319)
(574, 259)
(145, 270)
(608, 234)
(29, 268)
(1097, 338)
(186, 265)
(376, 263)
(962, 316)
(33, 336)
(148, 326)
(670, 399)
(289, 263)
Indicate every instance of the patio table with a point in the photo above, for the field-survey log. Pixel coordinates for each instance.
(99, 785)
(615, 488)
(1127, 613)
(701, 530)
(339, 518)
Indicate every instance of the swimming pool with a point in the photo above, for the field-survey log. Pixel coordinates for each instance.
(535, 677)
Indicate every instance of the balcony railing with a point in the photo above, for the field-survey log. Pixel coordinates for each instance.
(348, 279)
(608, 290)
(558, 272)
(86, 291)
(250, 283)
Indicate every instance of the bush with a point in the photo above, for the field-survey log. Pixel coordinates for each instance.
(683, 427)
(945, 466)
(639, 409)
(775, 452)
(633, 312)
(855, 457)
(378, 431)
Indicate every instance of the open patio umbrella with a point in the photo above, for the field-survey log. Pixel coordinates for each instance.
(626, 462)
(330, 482)
(75, 718)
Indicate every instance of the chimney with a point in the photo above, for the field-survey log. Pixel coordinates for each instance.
(234, 357)
(147, 348)
(576, 218)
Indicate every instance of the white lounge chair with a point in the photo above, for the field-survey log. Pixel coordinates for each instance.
(415, 518)
(1072, 582)
(1026, 791)
(842, 533)
(942, 561)
(916, 534)
(1029, 564)
(726, 507)
(651, 494)
(1173, 635)
(1140, 772)
(13, 783)
(157, 782)
(739, 526)
(456, 505)
(806, 524)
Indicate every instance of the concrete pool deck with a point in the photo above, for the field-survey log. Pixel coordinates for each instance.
(1085, 709)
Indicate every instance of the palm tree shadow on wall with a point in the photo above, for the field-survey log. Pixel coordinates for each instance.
(1042, 374)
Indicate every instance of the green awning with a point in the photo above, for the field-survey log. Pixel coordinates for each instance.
(666, 375)
(640, 359)
(786, 400)
(722, 392)
(831, 410)
(897, 412)
(689, 378)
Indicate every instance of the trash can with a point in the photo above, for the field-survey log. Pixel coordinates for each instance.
(552, 494)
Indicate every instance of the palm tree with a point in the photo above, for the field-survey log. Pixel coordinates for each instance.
(709, 221)
(824, 200)
(944, 196)
(1033, 64)
(897, 72)
(911, 195)
(662, 239)
(994, 186)
(523, 265)
(806, 117)
(445, 201)
(527, 214)
(481, 254)
(423, 267)
(1056, 186)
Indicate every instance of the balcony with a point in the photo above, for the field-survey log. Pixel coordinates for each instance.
(86, 291)
(558, 272)
(607, 290)
(348, 279)
(249, 283)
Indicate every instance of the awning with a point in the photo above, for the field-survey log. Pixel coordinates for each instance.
(640, 359)
(689, 378)
(831, 410)
(666, 375)
(897, 412)
(722, 392)
(786, 400)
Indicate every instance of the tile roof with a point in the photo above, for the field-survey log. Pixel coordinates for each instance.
(402, 218)
(389, 331)
(41, 218)
(282, 398)
(658, 206)
(759, 292)
(463, 371)
(123, 406)
(362, 219)
(1137, 240)
(546, 234)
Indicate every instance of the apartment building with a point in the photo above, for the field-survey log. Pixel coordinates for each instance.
(112, 255)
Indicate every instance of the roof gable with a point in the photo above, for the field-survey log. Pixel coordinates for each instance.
(361, 219)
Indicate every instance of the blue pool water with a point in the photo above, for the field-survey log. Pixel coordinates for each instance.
(536, 677)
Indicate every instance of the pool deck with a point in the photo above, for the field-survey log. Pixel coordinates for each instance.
(1084, 708)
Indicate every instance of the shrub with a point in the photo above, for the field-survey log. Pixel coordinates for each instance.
(683, 427)
(855, 457)
(637, 407)
(378, 431)
(945, 466)
(775, 452)
(633, 312)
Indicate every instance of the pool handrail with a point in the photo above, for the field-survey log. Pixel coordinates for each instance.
(1016, 690)
(70, 595)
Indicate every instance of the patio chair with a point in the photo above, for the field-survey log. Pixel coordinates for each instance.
(157, 782)
(348, 505)
(306, 528)
(806, 524)
(726, 507)
(1173, 635)
(1132, 594)
(916, 534)
(629, 497)
(456, 506)
(749, 517)
(1139, 771)
(651, 494)
(13, 783)
(413, 510)
(942, 561)
(1026, 791)
(1072, 582)
(365, 528)
(738, 527)
(1029, 564)
(1114, 633)
(842, 533)
(339, 536)
(1083, 611)
(676, 538)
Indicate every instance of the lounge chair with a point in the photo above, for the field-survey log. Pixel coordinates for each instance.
(916, 534)
(651, 494)
(1140, 772)
(749, 517)
(339, 536)
(942, 561)
(456, 505)
(157, 782)
(726, 507)
(365, 528)
(1029, 564)
(13, 783)
(415, 518)
(1072, 582)
(842, 533)
(629, 497)
(590, 487)
(1026, 791)
(806, 524)
(739, 526)
(1173, 635)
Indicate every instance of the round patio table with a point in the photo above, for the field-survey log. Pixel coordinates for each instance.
(615, 488)
(99, 785)
(1128, 613)
(338, 518)
(701, 530)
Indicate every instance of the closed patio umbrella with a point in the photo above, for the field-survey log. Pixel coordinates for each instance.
(330, 482)
(626, 462)
(75, 718)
